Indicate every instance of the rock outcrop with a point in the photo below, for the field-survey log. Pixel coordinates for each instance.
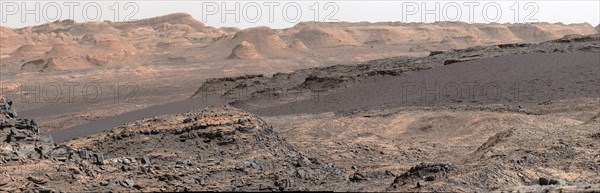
(213, 149)
(21, 138)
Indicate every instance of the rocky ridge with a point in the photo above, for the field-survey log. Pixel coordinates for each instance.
(217, 149)
(305, 83)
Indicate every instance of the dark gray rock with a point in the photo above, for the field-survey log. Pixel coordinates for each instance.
(357, 177)
(127, 183)
(37, 180)
(146, 160)
(303, 161)
(420, 184)
(83, 154)
(99, 158)
(549, 181)
(430, 178)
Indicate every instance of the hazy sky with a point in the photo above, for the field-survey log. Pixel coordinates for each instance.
(282, 14)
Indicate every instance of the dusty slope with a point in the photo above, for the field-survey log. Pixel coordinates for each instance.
(456, 148)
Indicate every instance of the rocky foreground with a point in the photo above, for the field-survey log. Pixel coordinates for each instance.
(218, 149)
(226, 149)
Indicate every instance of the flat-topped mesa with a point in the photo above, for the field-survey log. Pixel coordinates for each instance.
(347, 33)
(325, 37)
(174, 18)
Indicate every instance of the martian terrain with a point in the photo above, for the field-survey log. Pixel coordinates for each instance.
(171, 104)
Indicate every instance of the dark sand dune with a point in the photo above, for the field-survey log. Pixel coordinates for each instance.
(519, 79)
(109, 123)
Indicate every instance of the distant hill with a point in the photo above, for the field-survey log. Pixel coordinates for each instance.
(178, 37)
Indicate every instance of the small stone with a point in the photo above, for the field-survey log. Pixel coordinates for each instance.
(255, 165)
(99, 159)
(3, 182)
(304, 161)
(104, 183)
(128, 183)
(83, 154)
(37, 180)
(328, 166)
(145, 160)
(75, 170)
(43, 190)
(389, 173)
(189, 163)
(138, 186)
(557, 182)
(430, 178)
(420, 184)
(357, 177)
(126, 161)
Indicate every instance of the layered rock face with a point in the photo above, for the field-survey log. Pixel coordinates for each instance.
(21, 139)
